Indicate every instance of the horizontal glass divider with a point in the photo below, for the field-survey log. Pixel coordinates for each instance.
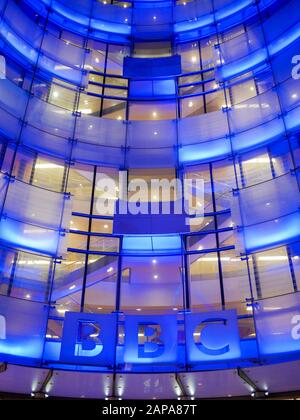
(92, 216)
(210, 250)
(104, 85)
(86, 252)
(13, 178)
(286, 174)
(108, 75)
(5, 216)
(100, 235)
(208, 232)
(249, 252)
(273, 297)
(147, 253)
(98, 95)
(269, 220)
(198, 83)
(113, 235)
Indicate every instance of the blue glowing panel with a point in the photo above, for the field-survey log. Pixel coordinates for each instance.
(284, 41)
(151, 339)
(154, 220)
(258, 57)
(149, 68)
(22, 328)
(89, 339)
(32, 238)
(212, 337)
(260, 135)
(209, 19)
(243, 65)
(278, 325)
(149, 244)
(152, 88)
(206, 151)
(163, 243)
(277, 232)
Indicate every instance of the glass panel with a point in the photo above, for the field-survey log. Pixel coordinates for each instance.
(236, 282)
(205, 282)
(68, 281)
(31, 277)
(273, 277)
(151, 284)
(100, 293)
(80, 183)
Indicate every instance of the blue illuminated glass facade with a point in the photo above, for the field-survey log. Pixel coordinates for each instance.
(230, 116)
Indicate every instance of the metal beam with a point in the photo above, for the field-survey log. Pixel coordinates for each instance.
(256, 391)
(41, 393)
(184, 395)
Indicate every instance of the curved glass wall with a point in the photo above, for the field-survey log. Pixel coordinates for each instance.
(69, 117)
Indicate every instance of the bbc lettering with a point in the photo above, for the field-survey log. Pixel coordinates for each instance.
(92, 339)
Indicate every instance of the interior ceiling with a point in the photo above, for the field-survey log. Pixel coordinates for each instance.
(267, 380)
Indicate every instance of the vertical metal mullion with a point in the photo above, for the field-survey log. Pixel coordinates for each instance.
(256, 277)
(186, 276)
(2, 154)
(104, 79)
(119, 278)
(217, 237)
(88, 242)
(292, 269)
(49, 282)
(202, 78)
(33, 169)
(12, 274)
(271, 164)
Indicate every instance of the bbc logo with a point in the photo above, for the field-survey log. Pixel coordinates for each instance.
(2, 67)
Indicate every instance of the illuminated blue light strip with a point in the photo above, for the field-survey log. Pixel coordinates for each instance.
(243, 65)
(59, 10)
(30, 54)
(257, 58)
(41, 240)
(276, 233)
(151, 243)
(209, 19)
